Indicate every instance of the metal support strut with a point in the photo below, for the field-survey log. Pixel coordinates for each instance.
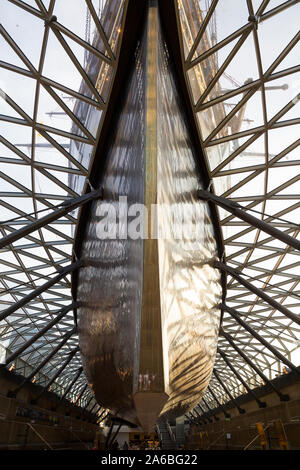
(241, 410)
(259, 292)
(77, 375)
(12, 394)
(66, 207)
(189, 419)
(203, 415)
(80, 394)
(57, 374)
(254, 367)
(261, 404)
(197, 417)
(39, 290)
(62, 313)
(227, 415)
(210, 411)
(271, 348)
(240, 212)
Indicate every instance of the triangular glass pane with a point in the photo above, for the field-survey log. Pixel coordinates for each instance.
(13, 85)
(292, 113)
(7, 110)
(219, 153)
(9, 55)
(255, 187)
(247, 116)
(191, 14)
(51, 114)
(277, 177)
(202, 74)
(281, 138)
(47, 186)
(256, 4)
(280, 92)
(253, 155)
(99, 72)
(273, 4)
(31, 3)
(17, 134)
(87, 114)
(59, 67)
(46, 3)
(21, 173)
(80, 22)
(47, 153)
(228, 17)
(286, 25)
(241, 70)
(290, 60)
(24, 204)
(26, 30)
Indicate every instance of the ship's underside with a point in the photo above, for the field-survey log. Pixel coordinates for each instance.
(148, 293)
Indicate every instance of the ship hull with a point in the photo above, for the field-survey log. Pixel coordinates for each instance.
(148, 314)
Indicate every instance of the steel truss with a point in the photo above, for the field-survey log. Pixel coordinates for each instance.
(38, 337)
(253, 168)
(250, 169)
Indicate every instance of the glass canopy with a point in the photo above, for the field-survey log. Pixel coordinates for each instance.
(241, 65)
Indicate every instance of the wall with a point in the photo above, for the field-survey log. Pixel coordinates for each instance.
(25, 426)
(242, 427)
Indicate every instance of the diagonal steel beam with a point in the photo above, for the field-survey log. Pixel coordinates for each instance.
(239, 212)
(67, 206)
(44, 330)
(240, 410)
(56, 375)
(68, 389)
(189, 419)
(203, 415)
(226, 360)
(253, 366)
(89, 401)
(227, 415)
(236, 315)
(13, 393)
(114, 436)
(209, 412)
(80, 394)
(199, 417)
(259, 292)
(39, 290)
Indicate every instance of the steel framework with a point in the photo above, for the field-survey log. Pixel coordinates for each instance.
(249, 129)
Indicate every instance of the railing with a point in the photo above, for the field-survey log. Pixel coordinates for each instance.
(159, 433)
(254, 439)
(42, 439)
(172, 435)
